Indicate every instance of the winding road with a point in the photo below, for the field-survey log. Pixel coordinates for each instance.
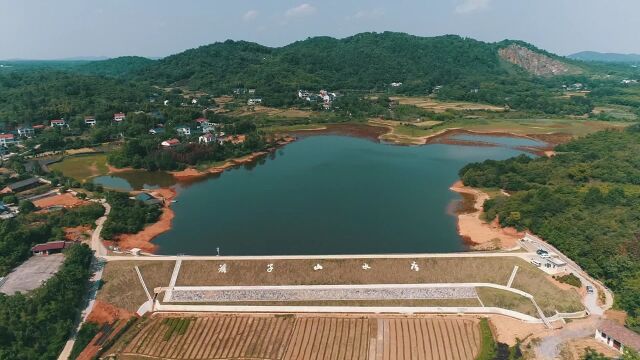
(97, 265)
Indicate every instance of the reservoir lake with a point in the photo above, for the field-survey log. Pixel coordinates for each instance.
(327, 194)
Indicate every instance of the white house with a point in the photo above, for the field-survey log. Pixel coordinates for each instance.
(396, 84)
(617, 336)
(58, 122)
(7, 139)
(207, 138)
(205, 126)
(254, 101)
(119, 117)
(170, 143)
(26, 131)
(90, 120)
(183, 130)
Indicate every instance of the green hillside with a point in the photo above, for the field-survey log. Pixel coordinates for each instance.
(116, 67)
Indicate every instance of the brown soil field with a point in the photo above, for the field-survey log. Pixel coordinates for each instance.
(269, 111)
(287, 337)
(439, 106)
(67, 200)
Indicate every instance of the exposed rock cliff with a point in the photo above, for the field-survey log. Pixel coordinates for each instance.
(535, 63)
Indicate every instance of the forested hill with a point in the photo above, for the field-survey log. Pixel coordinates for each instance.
(120, 66)
(606, 57)
(365, 61)
(585, 201)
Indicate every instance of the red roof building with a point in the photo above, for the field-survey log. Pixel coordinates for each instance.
(58, 122)
(118, 117)
(170, 143)
(7, 139)
(50, 247)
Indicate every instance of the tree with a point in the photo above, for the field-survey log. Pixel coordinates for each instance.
(26, 206)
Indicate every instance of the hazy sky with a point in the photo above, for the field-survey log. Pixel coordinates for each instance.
(49, 29)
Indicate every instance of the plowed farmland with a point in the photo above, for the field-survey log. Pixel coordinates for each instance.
(218, 336)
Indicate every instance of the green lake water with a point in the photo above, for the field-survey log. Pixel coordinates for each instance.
(328, 195)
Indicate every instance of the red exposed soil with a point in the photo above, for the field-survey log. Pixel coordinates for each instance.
(142, 239)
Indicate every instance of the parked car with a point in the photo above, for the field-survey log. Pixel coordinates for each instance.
(542, 251)
(589, 289)
(536, 263)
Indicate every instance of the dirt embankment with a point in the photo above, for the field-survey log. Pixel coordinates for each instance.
(142, 239)
(475, 231)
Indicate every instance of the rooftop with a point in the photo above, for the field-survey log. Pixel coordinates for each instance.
(620, 333)
(52, 245)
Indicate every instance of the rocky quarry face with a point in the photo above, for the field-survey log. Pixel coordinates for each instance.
(533, 62)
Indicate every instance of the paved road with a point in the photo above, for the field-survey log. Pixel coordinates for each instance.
(525, 256)
(96, 240)
(590, 301)
(97, 265)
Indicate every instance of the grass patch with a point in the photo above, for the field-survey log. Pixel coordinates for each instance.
(507, 300)
(121, 286)
(82, 167)
(175, 326)
(487, 342)
(87, 332)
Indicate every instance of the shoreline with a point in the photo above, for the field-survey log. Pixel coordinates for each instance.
(477, 233)
(144, 238)
(191, 173)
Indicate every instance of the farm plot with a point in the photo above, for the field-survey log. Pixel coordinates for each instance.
(285, 337)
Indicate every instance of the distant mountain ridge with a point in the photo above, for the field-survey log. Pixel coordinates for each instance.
(364, 61)
(605, 57)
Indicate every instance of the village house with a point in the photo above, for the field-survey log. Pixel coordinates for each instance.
(8, 139)
(119, 117)
(183, 130)
(58, 122)
(50, 247)
(26, 131)
(396, 84)
(21, 185)
(170, 143)
(254, 101)
(207, 138)
(205, 126)
(156, 131)
(617, 336)
(90, 120)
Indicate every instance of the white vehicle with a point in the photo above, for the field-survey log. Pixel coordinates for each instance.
(544, 255)
(536, 263)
